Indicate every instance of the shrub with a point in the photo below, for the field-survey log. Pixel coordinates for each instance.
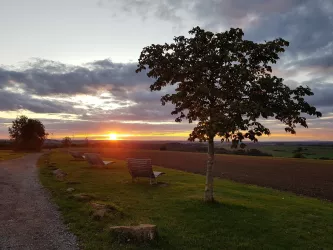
(298, 155)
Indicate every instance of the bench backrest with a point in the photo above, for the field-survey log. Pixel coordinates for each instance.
(76, 155)
(140, 168)
(94, 159)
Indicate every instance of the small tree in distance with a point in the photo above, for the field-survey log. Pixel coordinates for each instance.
(27, 134)
(66, 141)
(225, 84)
(298, 153)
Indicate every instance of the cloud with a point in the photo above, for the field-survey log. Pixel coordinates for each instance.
(47, 78)
(15, 101)
(96, 91)
(323, 95)
(104, 94)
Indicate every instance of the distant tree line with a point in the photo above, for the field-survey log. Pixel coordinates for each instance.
(202, 148)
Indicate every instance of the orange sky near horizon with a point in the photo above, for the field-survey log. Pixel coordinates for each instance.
(302, 135)
(182, 136)
(172, 131)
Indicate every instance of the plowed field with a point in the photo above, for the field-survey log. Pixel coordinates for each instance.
(301, 176)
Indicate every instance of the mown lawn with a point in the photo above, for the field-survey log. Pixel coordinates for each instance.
(9, 154)
(245, 217)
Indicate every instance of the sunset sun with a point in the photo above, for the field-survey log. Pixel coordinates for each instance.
(113, 136)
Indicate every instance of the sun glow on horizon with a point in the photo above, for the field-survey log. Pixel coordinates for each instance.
(113, 137)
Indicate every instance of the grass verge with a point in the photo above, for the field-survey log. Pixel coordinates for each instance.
(9, 154)
(245, 216)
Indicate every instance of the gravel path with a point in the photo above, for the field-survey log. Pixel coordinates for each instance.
(28, 219)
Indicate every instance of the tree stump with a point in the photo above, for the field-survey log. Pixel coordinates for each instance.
(140, 233)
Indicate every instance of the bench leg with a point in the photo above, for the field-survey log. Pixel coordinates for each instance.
(150, 179)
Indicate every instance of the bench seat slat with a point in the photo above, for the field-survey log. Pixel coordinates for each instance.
(95, 160)
(141, 168)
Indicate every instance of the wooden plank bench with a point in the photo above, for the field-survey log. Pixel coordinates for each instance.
(95, 160)
(76, 155)
(142, 168)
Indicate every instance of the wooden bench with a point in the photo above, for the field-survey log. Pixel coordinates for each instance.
(95, 160)
(76, 155)
(142, 168)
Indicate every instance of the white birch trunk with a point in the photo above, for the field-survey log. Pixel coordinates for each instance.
(209, 192)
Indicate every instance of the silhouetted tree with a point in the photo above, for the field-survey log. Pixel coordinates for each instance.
(27, 134)
(86, 142)
(298, 153)
(66, 141)
(225, 84)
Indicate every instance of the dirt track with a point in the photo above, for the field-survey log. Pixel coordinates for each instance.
(305, 177)
(28, 218)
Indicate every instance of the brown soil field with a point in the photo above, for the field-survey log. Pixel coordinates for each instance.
(301, 176)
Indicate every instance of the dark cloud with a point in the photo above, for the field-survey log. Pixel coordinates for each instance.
(128, 92)
(15, 101)
(323, 95)
(306, 24)
(47, 78)
(322, 63)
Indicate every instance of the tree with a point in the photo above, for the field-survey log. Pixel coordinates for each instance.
(66, 141)
(298, 153)
(27, 134)
(225, 85)
(86, 141)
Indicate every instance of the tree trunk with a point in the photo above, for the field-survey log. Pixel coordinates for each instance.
(209, 195)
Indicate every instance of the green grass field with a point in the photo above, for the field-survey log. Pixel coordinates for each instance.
(244, 217)
(310, 151)
(9, 154)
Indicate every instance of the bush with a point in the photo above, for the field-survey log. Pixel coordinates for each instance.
(257, 152)
(324, 158)
(298, 155)
(240, 152)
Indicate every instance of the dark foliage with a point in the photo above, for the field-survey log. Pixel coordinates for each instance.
(226, 84)
(27, 134)
(66, 142)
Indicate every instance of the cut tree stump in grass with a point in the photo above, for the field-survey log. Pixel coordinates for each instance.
(102, 209)
(141, 233)
(84, 197)
(59, 174)
(70, 190)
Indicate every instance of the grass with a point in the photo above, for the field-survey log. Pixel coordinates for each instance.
(9, 154)
(310, 151)
(244, 217)
(286, 151)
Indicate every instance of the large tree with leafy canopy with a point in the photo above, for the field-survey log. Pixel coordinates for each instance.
(225, 85)
(27, 134)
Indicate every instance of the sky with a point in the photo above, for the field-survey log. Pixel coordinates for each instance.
(71, 63)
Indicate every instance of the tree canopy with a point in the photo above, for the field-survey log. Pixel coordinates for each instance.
(66, 141)
(27, 134)
(225, 85)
